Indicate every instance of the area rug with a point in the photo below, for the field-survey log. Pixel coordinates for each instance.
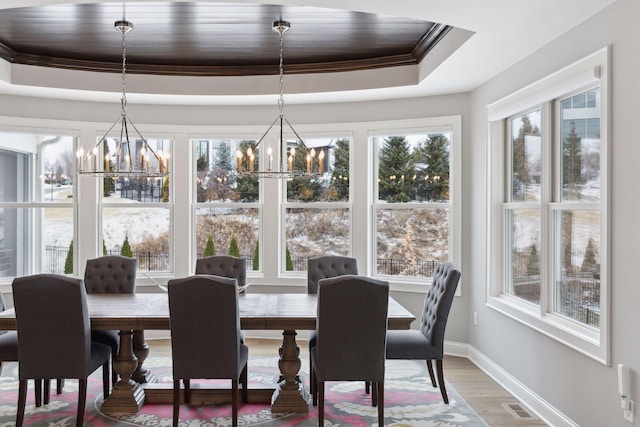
(410, 401)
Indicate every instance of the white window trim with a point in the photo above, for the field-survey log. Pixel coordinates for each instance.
(584, 339)
(426, 125)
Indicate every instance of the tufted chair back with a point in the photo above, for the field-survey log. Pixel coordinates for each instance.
(437, 304)
(223, 266)
(327, 266)
(113, 274)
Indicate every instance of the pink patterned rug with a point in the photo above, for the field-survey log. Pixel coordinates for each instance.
(410, 400)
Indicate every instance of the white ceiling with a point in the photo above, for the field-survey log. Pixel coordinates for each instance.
(496, 35)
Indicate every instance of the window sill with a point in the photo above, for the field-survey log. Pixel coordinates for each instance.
(581, 338)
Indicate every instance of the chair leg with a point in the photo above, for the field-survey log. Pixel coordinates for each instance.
(22, 401)
(367, 387)
(105, 380)
(374, 393)
(430, 368)
(245, 385)
(320, 391)
(187, 390)
(314, 388)
(46, 392)
(380, 392)
(443, 389)
(176, 402)
(234, 403)
(82, 400)
(59, 385)
(38, 391)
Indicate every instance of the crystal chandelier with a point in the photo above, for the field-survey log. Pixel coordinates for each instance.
(299, 161)
(133, 158)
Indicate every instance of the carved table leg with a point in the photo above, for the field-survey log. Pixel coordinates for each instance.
(127, 395)
(290, 394)
(141, 375)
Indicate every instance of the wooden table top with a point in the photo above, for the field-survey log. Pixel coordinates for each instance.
(257, 311)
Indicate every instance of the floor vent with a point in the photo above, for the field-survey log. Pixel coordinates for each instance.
(517, 410)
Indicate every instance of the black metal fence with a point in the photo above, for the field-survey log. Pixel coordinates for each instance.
(55, 257)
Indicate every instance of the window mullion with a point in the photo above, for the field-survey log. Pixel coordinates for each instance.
(548, 189)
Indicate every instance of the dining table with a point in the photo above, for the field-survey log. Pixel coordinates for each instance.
(288, 312)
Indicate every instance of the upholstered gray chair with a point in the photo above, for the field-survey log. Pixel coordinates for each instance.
(9, 353)
(62, 348)
(112, 274)
(324, 267)
(427, 343)
(223, 266)
(352, 326)
(205, 336)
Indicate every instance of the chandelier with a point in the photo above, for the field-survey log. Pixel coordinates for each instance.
(133, 158)
(292, 159)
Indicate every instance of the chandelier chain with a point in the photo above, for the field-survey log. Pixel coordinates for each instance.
(124, 73)
(281, 70)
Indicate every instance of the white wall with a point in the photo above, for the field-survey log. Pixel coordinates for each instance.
(580, 388)
(88, 118)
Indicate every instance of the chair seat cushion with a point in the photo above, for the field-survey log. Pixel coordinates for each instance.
(411, 344)
(110, 338)
(9, 346)
(100, 354)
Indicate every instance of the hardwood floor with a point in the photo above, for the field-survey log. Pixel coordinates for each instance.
(483, 394)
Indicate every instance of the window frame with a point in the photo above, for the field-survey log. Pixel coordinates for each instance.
(285, 204)
(430, 125)
(586, 73)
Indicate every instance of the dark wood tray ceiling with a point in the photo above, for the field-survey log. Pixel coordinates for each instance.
(211, 39)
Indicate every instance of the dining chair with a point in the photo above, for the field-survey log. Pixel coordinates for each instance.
(55, 343)
(427, 343)
(9, 353)
(111, 274)
(205, 336)
(223, 266)
(352, 326)
(323, 267)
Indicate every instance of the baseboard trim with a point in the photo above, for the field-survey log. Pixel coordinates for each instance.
(536, 404)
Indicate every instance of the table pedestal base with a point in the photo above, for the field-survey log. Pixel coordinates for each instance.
(287, 400)
(125, 401)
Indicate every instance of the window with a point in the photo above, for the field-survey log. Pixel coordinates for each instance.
(551, 227)
(227, 208)
(37, 205)
(317, 214)
(413, 212)
(136, 212)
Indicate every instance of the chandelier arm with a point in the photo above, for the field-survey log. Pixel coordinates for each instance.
(264, 135)
(144, 140)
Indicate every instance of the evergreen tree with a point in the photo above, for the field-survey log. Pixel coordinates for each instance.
(68, 262)
(247, 186)
(210, 249)
(108, 185)
(233, 247)
(340, 173)
(395, 175)
(432, 180)
(572, 158)
(202, 165)
(126, 248)
(521, 176)
(223, 156)
(589, 264)
(256, 257)
(533, 261)
(104, 249)
(304, 188)
(288, 260)
(165, 190)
